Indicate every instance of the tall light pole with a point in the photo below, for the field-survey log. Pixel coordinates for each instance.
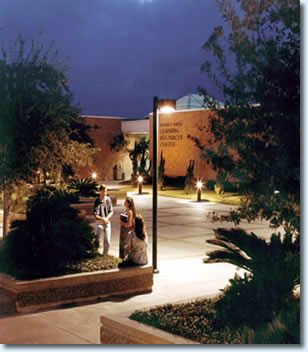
(165, 105)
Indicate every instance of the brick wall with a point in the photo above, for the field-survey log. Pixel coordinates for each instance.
(177, 148)
(106, 159)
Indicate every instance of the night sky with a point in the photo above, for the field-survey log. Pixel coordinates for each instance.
(121, 52)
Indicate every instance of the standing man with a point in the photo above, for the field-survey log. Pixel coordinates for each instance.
(103, 212)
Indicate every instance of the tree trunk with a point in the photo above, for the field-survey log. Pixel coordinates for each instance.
(6, 210)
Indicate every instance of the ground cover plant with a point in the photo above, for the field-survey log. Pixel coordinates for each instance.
(196, 321)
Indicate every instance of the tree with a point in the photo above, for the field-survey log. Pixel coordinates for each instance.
(257, 134)
(161, 173)
(40, 128)
(189, 178)
(118, 143)
(140, 152)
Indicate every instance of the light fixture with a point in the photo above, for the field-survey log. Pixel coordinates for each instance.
(140, 181)
(164, 105)
(199, 189)
(94, 175)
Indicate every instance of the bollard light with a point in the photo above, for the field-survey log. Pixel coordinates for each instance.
(199, 189)
(140, 181)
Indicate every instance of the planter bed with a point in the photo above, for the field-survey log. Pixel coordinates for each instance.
(33, 295)
(119, 329)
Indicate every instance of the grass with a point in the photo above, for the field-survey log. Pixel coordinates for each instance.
(178, 192)
(195, 321)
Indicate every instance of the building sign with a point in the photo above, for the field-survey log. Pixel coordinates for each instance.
(169, 134)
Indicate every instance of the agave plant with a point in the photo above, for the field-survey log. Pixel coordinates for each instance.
(84, 187)
(272, 269)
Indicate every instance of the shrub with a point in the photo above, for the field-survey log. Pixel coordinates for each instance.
(189, 178)
(84, 187)
(178, 181)
(194, 320)
(210, 185)
(52, 234)
(161, 173)
(272, 272)
(284, 329)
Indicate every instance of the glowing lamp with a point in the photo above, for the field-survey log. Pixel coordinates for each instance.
(140, 180)
(199, 189)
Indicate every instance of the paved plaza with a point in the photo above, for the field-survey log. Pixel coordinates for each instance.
(183, 228)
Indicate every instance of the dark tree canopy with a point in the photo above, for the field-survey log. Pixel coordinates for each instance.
(256, 63)
(40, 127)
(36, 110)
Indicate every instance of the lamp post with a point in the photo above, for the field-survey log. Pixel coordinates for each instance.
(165, 105)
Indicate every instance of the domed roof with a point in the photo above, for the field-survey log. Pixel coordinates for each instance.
(192, 101)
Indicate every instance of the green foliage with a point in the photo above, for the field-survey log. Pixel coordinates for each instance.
(140, 152)
(210, 185)
(194, 320)
(256, 65)
(161, 173)
(37, 115)
(62, 194)
(40, 128)
(52, 235)
(284, 329)
(85, 187)
(273, 271)
(118, 143)
(189, 178)
(95, 263)
(19, 197)
(199, 321)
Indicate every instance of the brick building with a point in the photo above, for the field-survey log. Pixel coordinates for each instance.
(190, 118)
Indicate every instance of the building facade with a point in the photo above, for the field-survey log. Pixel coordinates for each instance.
(110, 164)
(174, 141)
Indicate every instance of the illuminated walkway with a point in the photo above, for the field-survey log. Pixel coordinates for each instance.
(183, 227)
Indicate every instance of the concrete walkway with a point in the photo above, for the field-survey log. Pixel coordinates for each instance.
(183, 228)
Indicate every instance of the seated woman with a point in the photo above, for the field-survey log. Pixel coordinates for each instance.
(136, 244)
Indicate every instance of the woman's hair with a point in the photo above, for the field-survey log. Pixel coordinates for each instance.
(131, 206)
(140, 227)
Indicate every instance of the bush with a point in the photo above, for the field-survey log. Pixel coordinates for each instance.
(239, 304)
(272, 272)
(194, 320)
(52, 235)
(210, 185)
(161, 173)
(284, 329)
(189, 178)
(178, 181)
(84, 187)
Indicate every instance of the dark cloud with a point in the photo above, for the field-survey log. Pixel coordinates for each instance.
(122, 52)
